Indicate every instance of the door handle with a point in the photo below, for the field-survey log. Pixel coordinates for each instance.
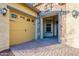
(25, 30)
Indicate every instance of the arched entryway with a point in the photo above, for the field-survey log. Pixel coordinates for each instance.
(50, 26)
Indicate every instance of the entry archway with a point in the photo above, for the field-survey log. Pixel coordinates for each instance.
(59, 24)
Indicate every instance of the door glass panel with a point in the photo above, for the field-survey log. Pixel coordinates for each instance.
(48, 27)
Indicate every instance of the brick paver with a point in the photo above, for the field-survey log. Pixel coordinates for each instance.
(6, 53)
(44, 48)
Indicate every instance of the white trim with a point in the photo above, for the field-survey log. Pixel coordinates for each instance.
(59, 27)
(52, 27)
(36, 33)
(55, 29)
(41, 28)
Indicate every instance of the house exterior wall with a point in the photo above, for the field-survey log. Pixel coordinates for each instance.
(72, 25)
(18, 30)
(4, 29)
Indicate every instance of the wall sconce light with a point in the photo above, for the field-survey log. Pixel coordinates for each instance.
(4, 11)
(75, 13)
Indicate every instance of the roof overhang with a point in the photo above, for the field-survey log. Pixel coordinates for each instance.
(10, 7)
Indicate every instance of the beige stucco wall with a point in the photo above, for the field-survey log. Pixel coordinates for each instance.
(72, 26)
(4, 29)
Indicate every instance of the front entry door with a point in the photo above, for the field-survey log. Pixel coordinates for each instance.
(48, 29)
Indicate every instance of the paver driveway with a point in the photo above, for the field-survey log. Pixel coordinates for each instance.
(46, 47)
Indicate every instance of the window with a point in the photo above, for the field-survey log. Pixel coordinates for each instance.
(48, 27)
(13, 15)
(28, 19)
(22, 17)
(56, 22)
(32, 20)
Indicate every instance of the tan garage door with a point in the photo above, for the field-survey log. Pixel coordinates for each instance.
(22, 28)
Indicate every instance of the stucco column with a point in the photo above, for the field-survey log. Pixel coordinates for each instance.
(41, 28)
(59, 27)
(4, 28)
(36, 29)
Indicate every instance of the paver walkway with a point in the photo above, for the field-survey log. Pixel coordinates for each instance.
(46, 47)
(6, 53)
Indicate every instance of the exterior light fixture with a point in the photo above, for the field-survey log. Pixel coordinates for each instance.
(4, 11)
(75, 13)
